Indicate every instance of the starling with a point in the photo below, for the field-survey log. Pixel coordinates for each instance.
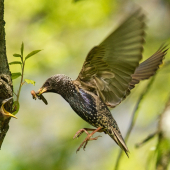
(110, 71)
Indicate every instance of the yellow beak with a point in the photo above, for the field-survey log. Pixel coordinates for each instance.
(5, 113)
(42, 90)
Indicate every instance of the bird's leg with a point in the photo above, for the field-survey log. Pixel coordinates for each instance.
(79, 132)
(99, 129)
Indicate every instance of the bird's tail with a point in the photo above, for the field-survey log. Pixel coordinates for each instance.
(117, 137)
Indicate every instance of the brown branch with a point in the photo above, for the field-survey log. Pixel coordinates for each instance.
(5, 76)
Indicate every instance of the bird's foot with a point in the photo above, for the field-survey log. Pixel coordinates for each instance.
(86, 141)
(88, 138)
(79, 132)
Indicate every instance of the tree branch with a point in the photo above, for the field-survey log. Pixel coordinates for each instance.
(5, 77)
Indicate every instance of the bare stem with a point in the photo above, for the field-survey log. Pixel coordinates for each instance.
(21, 82)
(148, 138)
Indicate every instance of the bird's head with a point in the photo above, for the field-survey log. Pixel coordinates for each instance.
(53, 84)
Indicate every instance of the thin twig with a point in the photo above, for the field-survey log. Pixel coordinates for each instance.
(149, 137)
(22, 75)
(133, 119)
(14, 93)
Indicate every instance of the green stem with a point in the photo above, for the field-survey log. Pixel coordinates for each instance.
(22, 76)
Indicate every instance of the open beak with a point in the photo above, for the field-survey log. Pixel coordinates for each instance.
(5, 113)
(39, 94)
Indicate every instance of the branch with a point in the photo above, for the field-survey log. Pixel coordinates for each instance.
(149, 137)
(5, 77)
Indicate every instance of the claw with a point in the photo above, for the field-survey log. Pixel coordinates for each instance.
(88, 138)
(5, 113)
(78, 133)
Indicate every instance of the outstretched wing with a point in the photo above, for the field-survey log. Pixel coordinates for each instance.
(148, 68)
(108, 67)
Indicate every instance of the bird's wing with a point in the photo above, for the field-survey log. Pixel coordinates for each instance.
(109, 66)
(148, 68)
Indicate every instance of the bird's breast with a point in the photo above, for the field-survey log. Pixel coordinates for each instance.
(84, 104)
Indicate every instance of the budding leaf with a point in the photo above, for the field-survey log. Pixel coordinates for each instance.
(31, 54)
(30, 81)
(16, 55)
(22, 49)
(15, 62)
(15, 75)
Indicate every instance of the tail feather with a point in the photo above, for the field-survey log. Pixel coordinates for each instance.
(117, 137)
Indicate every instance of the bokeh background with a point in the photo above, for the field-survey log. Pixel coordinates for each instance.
(42, 136)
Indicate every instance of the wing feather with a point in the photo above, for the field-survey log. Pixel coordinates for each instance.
(109, 66)
(148, 68)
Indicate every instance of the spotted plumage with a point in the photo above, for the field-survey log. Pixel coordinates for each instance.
(109, 72)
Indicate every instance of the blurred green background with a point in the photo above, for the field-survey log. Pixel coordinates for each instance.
(42, 136)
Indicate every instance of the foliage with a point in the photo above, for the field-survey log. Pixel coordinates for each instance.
(16, 75)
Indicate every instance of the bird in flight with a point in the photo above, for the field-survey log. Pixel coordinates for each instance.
(110, 71)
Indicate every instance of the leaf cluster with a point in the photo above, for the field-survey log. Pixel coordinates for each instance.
(21, 73)
(22, 63)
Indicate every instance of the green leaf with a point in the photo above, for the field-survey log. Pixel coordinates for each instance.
(16, 55)
(15, 62)
(22, 49)
(16, 75)
(31, 54)
(29, 81)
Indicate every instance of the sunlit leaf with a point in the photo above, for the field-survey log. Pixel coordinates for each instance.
(15, 62)
(22, 49)
(15, 75)
(29, 81)
(16, 55)
(31, 54)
